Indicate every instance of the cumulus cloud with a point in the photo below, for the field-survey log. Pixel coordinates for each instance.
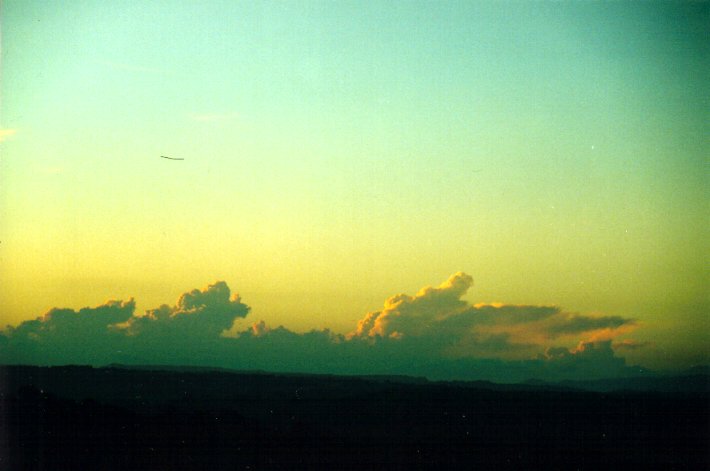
(434, 333)
(199, 313)
(587, 360)
(439, 318)
(112, 332)
(64, 334)
(67, 322)
(414, 315)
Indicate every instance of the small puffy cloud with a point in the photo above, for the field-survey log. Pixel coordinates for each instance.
(260, 329)
(6, 134)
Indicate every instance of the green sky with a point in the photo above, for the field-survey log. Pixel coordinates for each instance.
(338, 153)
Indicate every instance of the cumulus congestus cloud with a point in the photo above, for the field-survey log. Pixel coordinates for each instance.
(440, 319)
(200, 313)
(434, 333)
(417, 315)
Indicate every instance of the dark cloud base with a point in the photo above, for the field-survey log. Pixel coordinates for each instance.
(434, 334)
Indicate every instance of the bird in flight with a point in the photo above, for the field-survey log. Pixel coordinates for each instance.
(170, 158)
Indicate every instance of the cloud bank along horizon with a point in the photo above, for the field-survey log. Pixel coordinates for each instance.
(433, 333)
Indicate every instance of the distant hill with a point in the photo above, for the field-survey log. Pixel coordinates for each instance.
(693, 383)
(694, 380)
(151, 417)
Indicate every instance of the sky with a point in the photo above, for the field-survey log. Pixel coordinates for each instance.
(339, 153)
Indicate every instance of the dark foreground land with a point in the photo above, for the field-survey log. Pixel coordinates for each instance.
(80, 418)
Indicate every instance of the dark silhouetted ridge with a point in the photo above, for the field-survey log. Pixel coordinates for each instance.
(147, 418)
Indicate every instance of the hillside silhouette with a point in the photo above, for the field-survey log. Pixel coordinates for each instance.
(120, 418)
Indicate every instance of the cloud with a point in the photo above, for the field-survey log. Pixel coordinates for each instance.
(434, 333)
(203, 313)
(440, 319)
(63, 322)
(588, 360)
(7, 133)
(66, 335)
(414, 315)
(577, 324)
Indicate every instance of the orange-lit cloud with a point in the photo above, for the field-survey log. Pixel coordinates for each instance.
(442, 320)
(414, 315)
